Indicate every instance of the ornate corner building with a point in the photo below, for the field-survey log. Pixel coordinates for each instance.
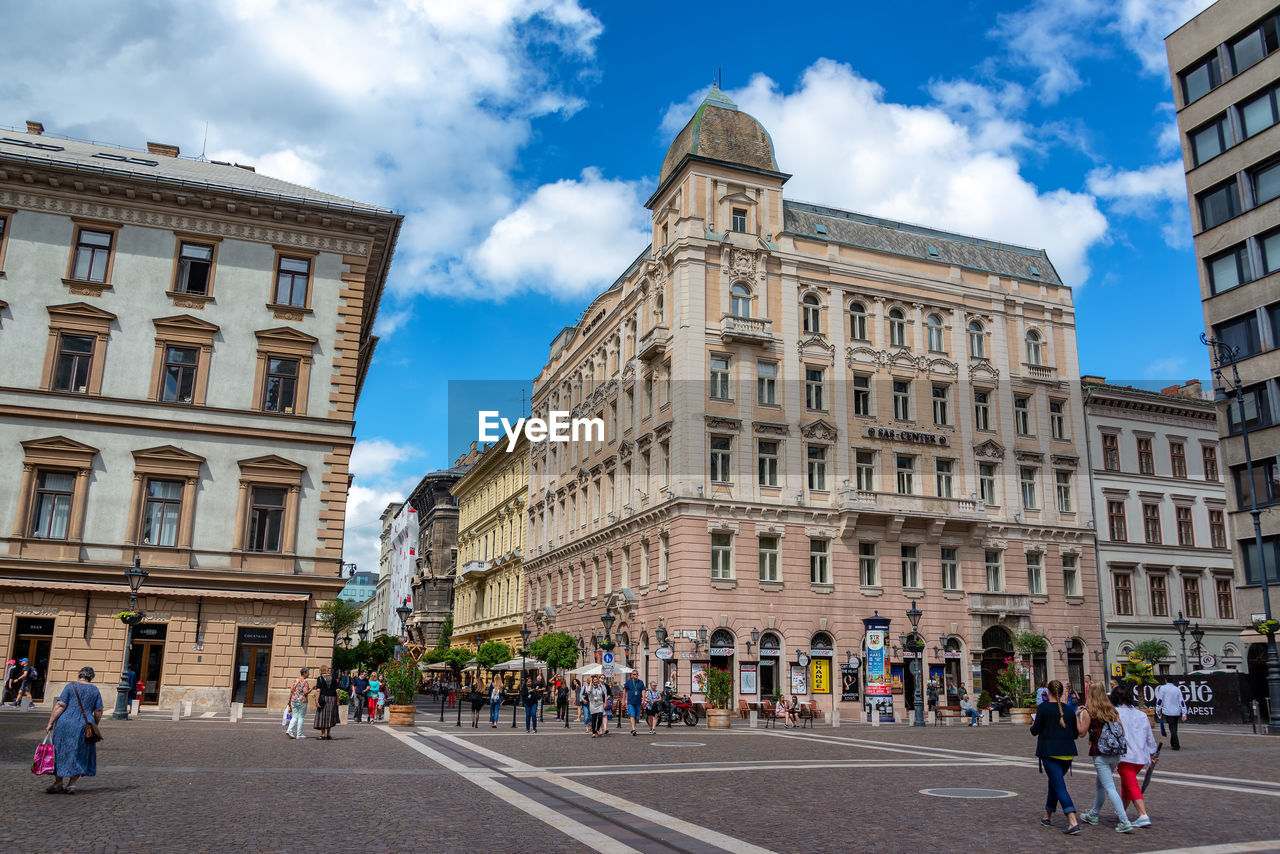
(437, 564)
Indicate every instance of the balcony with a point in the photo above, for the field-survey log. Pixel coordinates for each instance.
(913, 505)
(1000, 603)
(476, 567)
(1041, 373)
(654, 342)
(746, 330)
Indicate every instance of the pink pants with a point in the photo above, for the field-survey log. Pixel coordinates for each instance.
(373, 707)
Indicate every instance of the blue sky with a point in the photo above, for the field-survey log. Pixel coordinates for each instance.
(521, 137)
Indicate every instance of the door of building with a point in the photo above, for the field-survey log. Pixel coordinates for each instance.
(146, 658)
(33, 639)
(251, 672)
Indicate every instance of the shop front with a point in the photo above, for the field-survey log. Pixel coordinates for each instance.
(33, 640)
(769, 675)
(251, 673)
(146, 659)
(821, 653)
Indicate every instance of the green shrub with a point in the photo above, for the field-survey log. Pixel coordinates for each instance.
(719, 688)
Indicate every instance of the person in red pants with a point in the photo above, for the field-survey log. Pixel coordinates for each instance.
(375, 684)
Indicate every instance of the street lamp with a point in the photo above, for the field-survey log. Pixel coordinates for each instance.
(914, 614)
(1224, 354)
(363, 633)
(1197, 635)
(403, 613)
(135, 575)
(608, 620)
(524, 679)
(346, 641)
(1181, 625)
(755, 641)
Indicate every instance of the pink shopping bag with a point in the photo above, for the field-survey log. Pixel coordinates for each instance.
(43, 763)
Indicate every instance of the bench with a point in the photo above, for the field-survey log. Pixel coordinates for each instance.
(807, 713)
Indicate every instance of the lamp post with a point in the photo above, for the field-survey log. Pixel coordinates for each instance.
(755, 640)
(346, 641)
(524, 680)
(403, 613)
(1197, 635)
(135, 575)
(1225, 354)
(1181, 625)
(363, 633)
(914, 614)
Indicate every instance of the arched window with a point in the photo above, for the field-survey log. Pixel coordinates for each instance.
(857, 321)
(977, 341)
(1034, 348)
(897, 328)
(721, 639)
(820, 641)
(812, 314)
(740, 295)
(997, 637)
(933, 325)
(658, 309)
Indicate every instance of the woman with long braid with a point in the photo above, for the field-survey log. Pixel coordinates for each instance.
(1055, 729)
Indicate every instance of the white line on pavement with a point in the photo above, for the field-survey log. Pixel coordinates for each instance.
(802, 765)
(1225, 848)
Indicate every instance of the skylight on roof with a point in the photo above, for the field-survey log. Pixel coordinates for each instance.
(122, 159)
(820, 228)
(28, 144)
(1034, 270)
(932, 250)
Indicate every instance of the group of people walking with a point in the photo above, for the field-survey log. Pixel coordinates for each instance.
(326, 694)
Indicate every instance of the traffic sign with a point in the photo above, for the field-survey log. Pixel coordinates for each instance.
(606, 658)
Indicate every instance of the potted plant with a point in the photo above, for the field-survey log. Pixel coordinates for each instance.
(719, 695)
(1014, 681)
(1266, 627)
(131, 618)
(1142, 673)
(403, 677)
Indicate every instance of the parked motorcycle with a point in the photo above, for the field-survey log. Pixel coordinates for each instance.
(677, 710)
(1001, 704)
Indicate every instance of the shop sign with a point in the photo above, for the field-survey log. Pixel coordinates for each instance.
(1210, 698)
(799, 679)
(820, 675)
(747, 679)
(771, 652)
(698, 678)
(802, 660)
(257, 636)
(1134, 658)
(914, 436)
(848, 683)
(877, 677)
(821, 653)
(1208, 660)
(953, 655)
(906, 654)
(663, 653)
(722, 650)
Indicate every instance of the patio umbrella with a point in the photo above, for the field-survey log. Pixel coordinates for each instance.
(439, 666)
(598, 669)
(517, 663)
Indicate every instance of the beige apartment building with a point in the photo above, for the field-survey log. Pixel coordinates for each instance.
(1225, 64)
(183, 346)
(812, 417)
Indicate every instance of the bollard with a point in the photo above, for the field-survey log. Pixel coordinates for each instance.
(134, 705)
(835, 718)
(177, 712)
(186, 708)
(753, 718)
(875, 717)
(237, 711)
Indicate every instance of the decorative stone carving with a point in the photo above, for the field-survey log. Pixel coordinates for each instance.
(997, 545)
(1028, 456)
(1065, 461)
(989, 450)
(983, 370)
(867, 356)
(816, 347)
(663, 430)
(820, 533)
(903, 359)
(35, 611)
(285, 314)
(943, 367)
(771, 428)
(715, 422)
(742, 263)
(819, 430)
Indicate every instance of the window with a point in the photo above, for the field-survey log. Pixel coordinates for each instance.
(1035, 354)
(739, 220)
(722, 556)
(1266, 182)
(1178, 458)
(813, 385)
(943, 469)
(1219, 204)
(993, 560)
(1070, 576)
(179, 381)
(1058, 419)
(868, 565)
(51, 510)
(977, 341)
(1110, 452)
(740, 299)
(1027, 481)
(819, 566)
(721, 459)
(1253, 45)
(910, 567)
(1146, 458)
(857, 322)
(1258, 114)
(1262, 485)
(768, 460)
(1022, 415)
(1117, 527)
(1191, 596)
(1209, 453)
(769, 559)
(75, 361)
(987, 484)
(1062, 482)
(162, 513)
(1186, 530)
(1217, 529)
(1257, 409)
(1231, 268)
(1151, 523)
(1035, 574)
(1241, 332)
(195, 269)
(864, 469)
(92, 255)
(266, 519)
(812, 311)
(1159, 596)
(767, 383)
(902, 400)
(950, 569)
(1210, 140)
(897, 328)
(933, 328)
(292, 277)
(942, 405)
(281, 387)
(1226, 607)
(981, 410)
(4, 230)
(1122, 583)
(906, 468)
(1270, 557)
(1200, 78)
(719, 378)
(817, 471)
(862, 396)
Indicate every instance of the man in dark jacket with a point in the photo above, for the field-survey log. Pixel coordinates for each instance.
(360, 695)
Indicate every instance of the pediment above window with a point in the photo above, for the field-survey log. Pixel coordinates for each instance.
(185, 329)
(58, 451)
(989, 450)
(167, 459)
(80, 316)
(819, 430)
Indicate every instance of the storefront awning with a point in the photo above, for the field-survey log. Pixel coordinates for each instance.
(147, 590)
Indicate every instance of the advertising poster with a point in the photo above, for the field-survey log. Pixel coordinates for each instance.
(878, 698)
(849, 688)
(895, 678)
(799, 680)
(820, 675)
(747, 679)
(698, 684)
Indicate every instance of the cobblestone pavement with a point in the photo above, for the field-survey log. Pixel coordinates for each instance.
(217, 786)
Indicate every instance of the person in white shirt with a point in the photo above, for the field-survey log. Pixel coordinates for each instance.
(1141, 742)
(1171, 706)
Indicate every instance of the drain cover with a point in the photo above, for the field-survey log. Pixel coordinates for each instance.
(968, 793)
(676, 744)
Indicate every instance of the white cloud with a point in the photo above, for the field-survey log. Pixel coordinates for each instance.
(383, 472)
(389, 321)
(846, 146)
(374, 458)
(1156, 191)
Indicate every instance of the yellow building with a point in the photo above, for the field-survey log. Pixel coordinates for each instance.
(492, 498)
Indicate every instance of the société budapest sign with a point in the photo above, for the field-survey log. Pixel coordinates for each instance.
(914, 436)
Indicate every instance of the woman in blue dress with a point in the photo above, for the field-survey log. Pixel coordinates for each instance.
(73, 757)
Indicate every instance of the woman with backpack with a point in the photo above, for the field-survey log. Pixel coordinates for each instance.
(1106, 745)
(1141, 749)
(1055, 729)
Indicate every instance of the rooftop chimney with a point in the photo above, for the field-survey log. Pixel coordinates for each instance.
(162, 148)
(1093, 379)
(34, 127)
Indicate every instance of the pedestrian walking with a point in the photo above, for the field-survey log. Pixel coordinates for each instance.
(359, 697)
(1142, 748)
(652, 700)
(596, 695)
(1171, 707)
(25, 683)
(562, 701)
(1056, 734)
(478, 698)
(10, 681)
(1042, 694)
(1098, 717)
(495, 701)
(382, 698)
(931, 698)
(375, 687)
(79, 703)
(298, 694)
(584, 712)
(531, 696)
(326, 704)
(634, 691)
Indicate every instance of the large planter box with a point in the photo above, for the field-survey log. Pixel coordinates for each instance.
(1021, 716)
(400, 715)
(718, 719)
